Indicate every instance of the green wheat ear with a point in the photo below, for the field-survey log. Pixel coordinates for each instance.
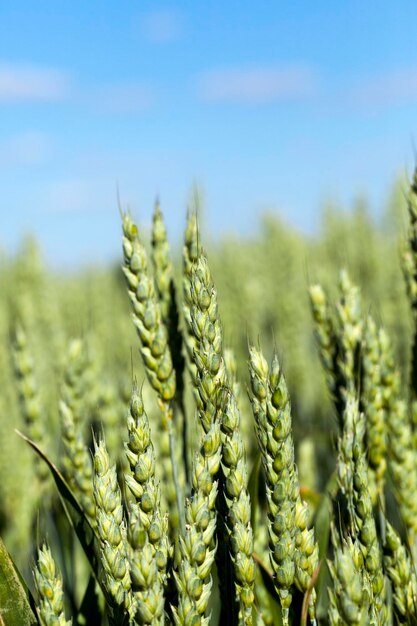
(197, 547)
(325, 333)
(401, 572)
(162, 264)
(364, 525)
(410, 252)
(238, 509)
(31, 404)
(375, 411)
(76, 461)
(166, 292)
(147, 315)
(111, 528)
(191, 252)
(155, 351)
(272, 411)
(193, 576)
(402, 458)
(339, 336)
(350, 596)
(167, 298)
(147, 586)
(141, 481)
(217, 406)
(48, 584)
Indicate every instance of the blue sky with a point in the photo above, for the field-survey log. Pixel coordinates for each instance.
(267, 105)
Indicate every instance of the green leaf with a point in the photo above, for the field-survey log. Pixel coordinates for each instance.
(322, 521)
(76, 516)
(275, 610)
(15, 599)
(253, 489)
(79, 522)
(89, 611)
(267, 582)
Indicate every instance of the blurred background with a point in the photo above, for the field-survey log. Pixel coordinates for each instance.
(266, 105)
(293, 121)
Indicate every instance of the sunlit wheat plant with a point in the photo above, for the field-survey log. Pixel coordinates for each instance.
(174, 480)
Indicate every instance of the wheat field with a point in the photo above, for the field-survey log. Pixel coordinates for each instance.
(214, 432)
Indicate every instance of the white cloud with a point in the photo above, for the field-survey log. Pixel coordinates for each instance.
(257, 84)
(162, 26)
(31, 83)
(27, 148)
(392, 88)
(120, 98)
